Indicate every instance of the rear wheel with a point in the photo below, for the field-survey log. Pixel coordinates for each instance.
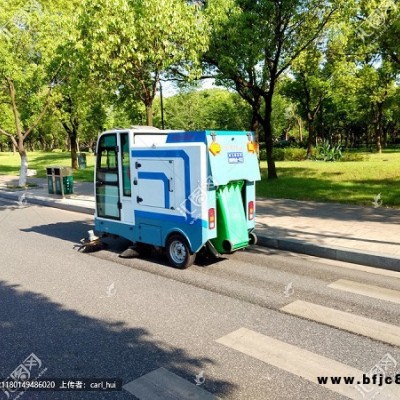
(252, 238)
(178, 252)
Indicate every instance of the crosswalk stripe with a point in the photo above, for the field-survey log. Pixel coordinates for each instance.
(375, 292)
(347, 321)
(298, 361)
(356, 267)
(165, 385)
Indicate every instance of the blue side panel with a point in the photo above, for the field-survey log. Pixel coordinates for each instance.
(150, 234)
(126, 231)
(158, 176)
(176, 219)
(187, 137)
(194, 230)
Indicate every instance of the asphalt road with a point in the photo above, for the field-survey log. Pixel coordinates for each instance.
(98, 315)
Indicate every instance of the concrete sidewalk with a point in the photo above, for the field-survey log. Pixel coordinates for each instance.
(362, 235)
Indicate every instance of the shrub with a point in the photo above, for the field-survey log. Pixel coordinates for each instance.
(293, 154)
(279, 154)
(353, 157)
(287, 154)
(328, 152)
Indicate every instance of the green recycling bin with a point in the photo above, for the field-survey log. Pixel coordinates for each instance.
(60, 180)
(50, 180)
(232, 232)
(82, 160)
(68, 184)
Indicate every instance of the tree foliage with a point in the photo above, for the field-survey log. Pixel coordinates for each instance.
(216, 109)
(31, 32)
(254, 43)
(131, 43)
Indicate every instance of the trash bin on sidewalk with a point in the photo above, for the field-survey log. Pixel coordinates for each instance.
(82, 160)
(60, 180)
(50, 180)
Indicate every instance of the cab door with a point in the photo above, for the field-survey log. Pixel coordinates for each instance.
(108, 204)
(127, 215)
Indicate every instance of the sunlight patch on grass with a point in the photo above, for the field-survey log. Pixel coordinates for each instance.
(345, 182)
(39, 160)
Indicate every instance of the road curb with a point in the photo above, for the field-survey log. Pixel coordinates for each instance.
(378, 260)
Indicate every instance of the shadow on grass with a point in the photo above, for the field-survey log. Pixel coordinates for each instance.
(9, 170)
(69, 344)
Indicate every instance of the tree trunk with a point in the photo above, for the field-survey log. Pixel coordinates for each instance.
(254, 123)
(378, 127)
(149, 114)
(74, 150)
(72, 140)
(23, 171)
(310, 138)
(267, 125)
(300, 124)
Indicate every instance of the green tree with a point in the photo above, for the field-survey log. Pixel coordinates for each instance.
(30, 33)
(216, 109)
(309, 88)
(254, 43)
(130, 43)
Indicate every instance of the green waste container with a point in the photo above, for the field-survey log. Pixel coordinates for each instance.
(82, 160)
(232, 232)
(68, 184)
(50, 180)
(60, 180)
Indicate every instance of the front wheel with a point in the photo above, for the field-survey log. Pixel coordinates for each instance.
(178, 252)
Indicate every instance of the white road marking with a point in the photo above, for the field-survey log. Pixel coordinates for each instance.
(164, 385)
(375, 292)
(347, 321)
(300, 362)
(356, 267)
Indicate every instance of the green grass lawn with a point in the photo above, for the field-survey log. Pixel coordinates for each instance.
(39, 160)
(344, 182)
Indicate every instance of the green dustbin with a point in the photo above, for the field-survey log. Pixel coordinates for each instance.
(232, 232)
(50, 180)
(63, 180)
(68, 184)
(82, 160)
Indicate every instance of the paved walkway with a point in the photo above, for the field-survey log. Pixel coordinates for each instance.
(364, 235)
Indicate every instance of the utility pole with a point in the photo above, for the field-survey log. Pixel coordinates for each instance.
(162, 107)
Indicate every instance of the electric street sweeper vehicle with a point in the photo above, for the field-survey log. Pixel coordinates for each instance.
(182, 191)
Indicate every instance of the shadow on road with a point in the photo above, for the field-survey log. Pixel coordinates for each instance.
(72, 345)
(72, 231)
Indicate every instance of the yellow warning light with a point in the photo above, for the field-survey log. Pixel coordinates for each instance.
(215, 148)
(252, 147)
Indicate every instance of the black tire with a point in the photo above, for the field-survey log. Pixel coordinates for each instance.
(178, 252)
(252, 238)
